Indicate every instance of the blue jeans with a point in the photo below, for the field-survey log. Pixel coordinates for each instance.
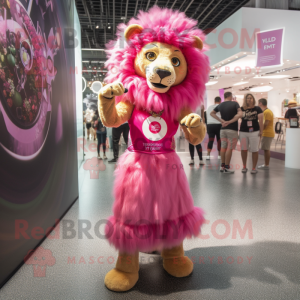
(101, 137)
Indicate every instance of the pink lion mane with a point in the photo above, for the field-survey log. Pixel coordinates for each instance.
(165, 26)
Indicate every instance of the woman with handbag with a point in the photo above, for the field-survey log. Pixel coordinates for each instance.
(101, 135)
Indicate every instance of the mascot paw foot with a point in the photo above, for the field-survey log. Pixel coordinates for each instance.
(178, 266)
(119, 281)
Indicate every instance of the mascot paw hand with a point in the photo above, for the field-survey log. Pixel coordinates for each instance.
(112, 89)
(191, 120)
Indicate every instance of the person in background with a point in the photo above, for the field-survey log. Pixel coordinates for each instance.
(93, 129)
(268, 132)
(213, 128)
(84, 125)
(250, 131)
(198, 147)
(230, 113)
(101, 132)
(292, 111)
(116, 135)
(89, 113)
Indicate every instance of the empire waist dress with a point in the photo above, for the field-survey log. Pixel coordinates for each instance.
(153, 207)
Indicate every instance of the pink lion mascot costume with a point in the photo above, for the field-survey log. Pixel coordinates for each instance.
(164, 69)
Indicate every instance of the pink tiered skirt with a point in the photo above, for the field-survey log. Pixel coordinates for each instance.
(153, 206)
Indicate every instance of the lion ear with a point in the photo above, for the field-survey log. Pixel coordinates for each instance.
(197, 42)
(131, 30)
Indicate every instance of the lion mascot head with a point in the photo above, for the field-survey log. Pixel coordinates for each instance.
(159, 57)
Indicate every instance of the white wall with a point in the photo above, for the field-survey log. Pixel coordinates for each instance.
(218, 53)
(211, 94)
(78, 78)
(275, 98)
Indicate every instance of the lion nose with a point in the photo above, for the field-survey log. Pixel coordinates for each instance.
(163, 73)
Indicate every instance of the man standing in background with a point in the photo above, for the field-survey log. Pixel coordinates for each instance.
(213, 128)
(116, 135)
(268, 132)
(230, 113)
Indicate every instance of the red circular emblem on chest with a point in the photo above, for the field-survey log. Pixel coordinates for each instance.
(154, 127)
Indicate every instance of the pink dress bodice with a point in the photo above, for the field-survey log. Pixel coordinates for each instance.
(151, 135)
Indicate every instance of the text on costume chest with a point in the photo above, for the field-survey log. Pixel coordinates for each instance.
(152, 146)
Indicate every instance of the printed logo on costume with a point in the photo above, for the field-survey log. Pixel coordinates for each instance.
(154, 129)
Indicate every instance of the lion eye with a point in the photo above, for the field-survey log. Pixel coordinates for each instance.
(175, 61)
(151, 56)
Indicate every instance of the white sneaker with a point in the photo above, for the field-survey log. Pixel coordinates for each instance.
(219, 157)
(99, 157)
(244, 170)
(228, 171)
(201, 162)
(104, 156)
(208, 157)
(254, 171)
(222, 169)
(191, 162)
(263, 167)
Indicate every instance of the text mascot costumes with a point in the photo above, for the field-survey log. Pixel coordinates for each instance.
(165, 70)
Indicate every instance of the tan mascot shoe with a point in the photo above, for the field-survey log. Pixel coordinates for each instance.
(125, 275)
(175, 263)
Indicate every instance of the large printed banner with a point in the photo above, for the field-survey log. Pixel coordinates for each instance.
(38, 157)
(269, 48)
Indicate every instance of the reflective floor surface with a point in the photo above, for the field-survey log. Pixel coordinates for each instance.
(249, 248)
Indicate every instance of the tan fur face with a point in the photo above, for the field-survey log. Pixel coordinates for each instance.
(162, 65)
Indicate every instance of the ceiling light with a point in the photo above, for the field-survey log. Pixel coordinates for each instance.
(253, 52)
(244, 52)
(236, 57)
(83, 84)
(240, 83)
(108, 27)
(228, 59)
(96, 87)
(297, 65)
(272, 76)
(262, 89)
(211, 83)
(288, 60)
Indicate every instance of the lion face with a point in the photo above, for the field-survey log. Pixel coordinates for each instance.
(162, 65)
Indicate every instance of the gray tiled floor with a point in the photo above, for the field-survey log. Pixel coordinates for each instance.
(261, 265)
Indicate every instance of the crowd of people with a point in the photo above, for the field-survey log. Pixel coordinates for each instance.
(256, 129)
(222, 121)
(98, 132)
